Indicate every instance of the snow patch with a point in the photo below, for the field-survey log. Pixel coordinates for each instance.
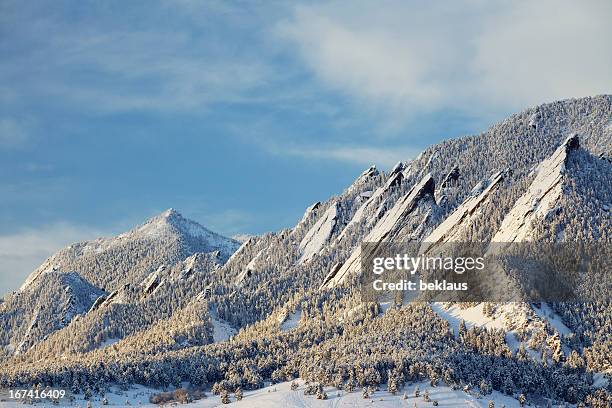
(546, 313)
(290, 321)
(222, 330)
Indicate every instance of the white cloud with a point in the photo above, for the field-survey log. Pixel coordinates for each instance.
(24, 251)
(411, 57)
(362, 155)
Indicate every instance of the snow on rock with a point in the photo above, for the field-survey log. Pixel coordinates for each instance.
(398, 168)
(153, 282)
(115, 297)
(46, 267)
(370, 173)
(73, 296)
(384, 229)
(320, 233)
(540, 198)
(431, 158)
(199, 262)
(309, 211)
(534, 119)
(250, 268)
(392, 182)
(249, 242)
(451, 228)
(451, 177)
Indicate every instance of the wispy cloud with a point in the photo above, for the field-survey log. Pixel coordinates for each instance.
(107, 64)
(411, 57)
(22, 252)
(384, 157)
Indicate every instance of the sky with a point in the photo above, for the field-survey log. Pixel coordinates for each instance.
(241, 114)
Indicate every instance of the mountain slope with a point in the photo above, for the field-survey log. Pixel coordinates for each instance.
(48, 304)
(148, 273)
(126, 259)
(487, 186)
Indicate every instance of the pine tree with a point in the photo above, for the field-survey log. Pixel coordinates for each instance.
(365, 394)
(426, 395)
(462, 329)
(417, 392)
(392, 386)
(522, 399)
(554, 343)
(225, 399)
(216, 388)
(322, 395)
(485, 387)
(239, 394)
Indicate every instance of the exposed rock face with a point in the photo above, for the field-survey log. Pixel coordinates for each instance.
(451, 228)
(320, 233)
(389, 227)
(370, 173)
(116, 296)
(377, 198)
(451, 177)
(541, 196)
(398, 168)
(153, 281)
(250, 268)
(309, 211)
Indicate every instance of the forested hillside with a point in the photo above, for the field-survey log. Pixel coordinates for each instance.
(143, 307)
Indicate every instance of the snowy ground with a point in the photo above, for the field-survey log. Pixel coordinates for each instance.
(222, 330)
(474, 316)
(281, 395)
(292, 321)
(546, 313)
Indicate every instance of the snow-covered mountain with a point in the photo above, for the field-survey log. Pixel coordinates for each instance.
(127, 258)
(543, 174)
(48, 304)
(109, 271)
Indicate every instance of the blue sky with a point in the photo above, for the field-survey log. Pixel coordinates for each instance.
(240, 114)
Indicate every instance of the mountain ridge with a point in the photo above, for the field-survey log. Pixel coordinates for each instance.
(459, 189)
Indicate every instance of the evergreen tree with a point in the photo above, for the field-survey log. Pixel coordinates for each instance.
(225, 399)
